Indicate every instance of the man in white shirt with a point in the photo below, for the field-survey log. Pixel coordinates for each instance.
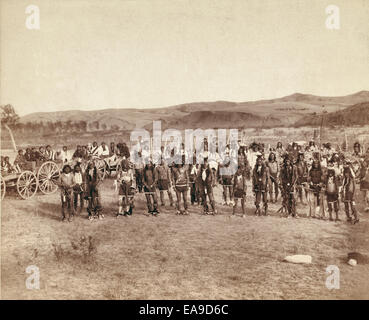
(94, 149)
(50, 154)
(103, 150)
(64, 155)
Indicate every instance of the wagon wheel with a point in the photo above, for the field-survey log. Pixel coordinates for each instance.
(101, 166)
(47, 174)
(27, 184)
(3, 188)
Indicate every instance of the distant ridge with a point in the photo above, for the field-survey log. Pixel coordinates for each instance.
(291, 110)
(357, 114)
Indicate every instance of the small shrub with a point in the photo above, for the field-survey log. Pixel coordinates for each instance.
(58, 252)
(83, 249)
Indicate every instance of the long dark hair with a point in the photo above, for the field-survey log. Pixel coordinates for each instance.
(270, 156)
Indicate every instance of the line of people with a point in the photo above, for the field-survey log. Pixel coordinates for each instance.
(314, 177)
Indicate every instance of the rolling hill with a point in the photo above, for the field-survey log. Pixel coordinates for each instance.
(296, 109)
(357, 114)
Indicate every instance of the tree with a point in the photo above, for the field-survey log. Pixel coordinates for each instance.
(83, 125)
(9, 119)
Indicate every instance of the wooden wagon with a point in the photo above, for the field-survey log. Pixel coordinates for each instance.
(27, 182)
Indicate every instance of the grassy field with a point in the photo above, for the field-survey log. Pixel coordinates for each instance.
(175, 257)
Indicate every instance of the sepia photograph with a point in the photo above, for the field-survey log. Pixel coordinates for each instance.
(177, 150)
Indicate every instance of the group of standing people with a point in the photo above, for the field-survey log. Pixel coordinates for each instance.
(76, 187)
(318, 178)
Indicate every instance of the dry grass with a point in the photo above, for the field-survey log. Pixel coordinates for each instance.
(174, 257)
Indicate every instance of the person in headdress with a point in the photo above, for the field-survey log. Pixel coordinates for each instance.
(260, 183)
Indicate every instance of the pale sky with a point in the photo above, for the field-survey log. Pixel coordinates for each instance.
(153, 53)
